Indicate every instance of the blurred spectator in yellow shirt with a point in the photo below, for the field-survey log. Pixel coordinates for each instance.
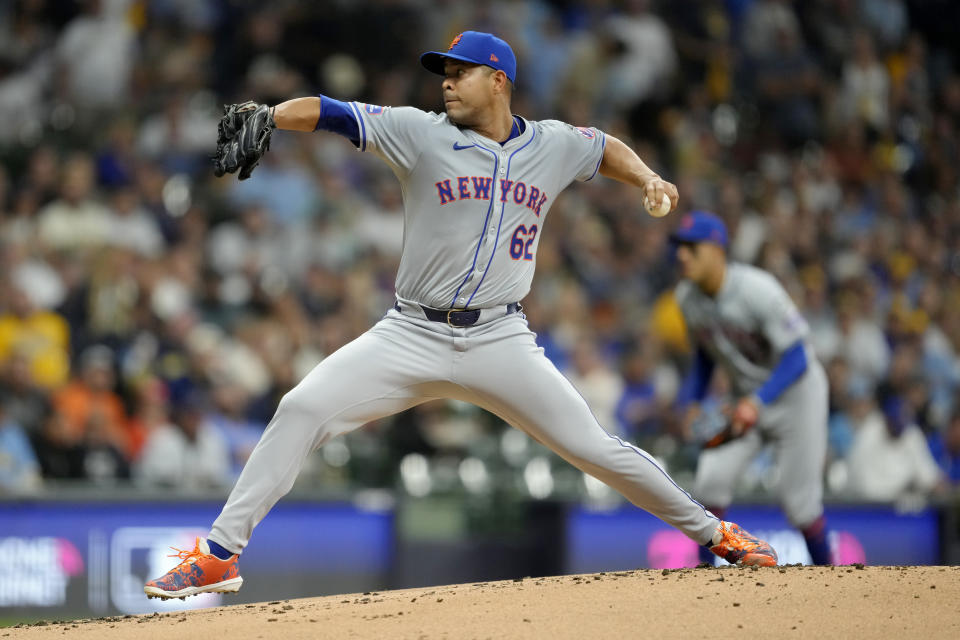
(42, 337)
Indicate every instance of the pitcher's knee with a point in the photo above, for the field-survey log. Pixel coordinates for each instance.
(295, 403)
(297, 409)
(317, 417)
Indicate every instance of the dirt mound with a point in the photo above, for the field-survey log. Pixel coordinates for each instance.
(847, 602)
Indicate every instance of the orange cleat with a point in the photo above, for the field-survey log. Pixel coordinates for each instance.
(199, 572)
(737, 546)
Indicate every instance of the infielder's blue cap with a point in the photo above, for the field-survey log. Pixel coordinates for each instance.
(700, 226)
(476, 47)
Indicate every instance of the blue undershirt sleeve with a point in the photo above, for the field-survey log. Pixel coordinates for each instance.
(338, 117)
(694, 388)
(791, 366)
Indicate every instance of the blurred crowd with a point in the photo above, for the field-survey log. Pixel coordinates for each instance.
(151, 315)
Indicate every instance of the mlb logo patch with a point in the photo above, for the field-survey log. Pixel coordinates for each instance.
(586, 133)
(373, 109)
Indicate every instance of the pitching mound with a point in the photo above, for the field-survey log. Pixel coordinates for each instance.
(782, 602)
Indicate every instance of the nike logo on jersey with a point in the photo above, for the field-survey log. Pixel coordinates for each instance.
(457, 147)
(480, 188)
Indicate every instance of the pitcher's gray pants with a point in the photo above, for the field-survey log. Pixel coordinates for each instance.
(405, 360)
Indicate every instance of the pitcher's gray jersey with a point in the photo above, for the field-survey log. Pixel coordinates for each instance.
(449, 174)
(746, 327)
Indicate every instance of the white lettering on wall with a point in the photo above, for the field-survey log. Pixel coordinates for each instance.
(31, 573)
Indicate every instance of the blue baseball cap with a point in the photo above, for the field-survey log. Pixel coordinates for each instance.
(476, 47)
(700, 226)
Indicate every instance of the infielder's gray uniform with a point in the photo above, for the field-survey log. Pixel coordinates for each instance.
(473, 214)
(745, 329)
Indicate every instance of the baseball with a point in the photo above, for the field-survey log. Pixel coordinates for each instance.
(659, 211)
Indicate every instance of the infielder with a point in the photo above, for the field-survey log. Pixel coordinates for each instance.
(739, 317)
(478, 183)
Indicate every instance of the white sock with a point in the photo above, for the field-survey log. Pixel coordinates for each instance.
(717, 536)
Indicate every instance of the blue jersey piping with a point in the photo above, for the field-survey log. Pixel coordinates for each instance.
(476, 253)
(603, 147)
(502, 209)
(643, 455)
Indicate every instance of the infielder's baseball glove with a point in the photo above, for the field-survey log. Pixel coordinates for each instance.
(711, 429)
(715, 427)
(243, 137)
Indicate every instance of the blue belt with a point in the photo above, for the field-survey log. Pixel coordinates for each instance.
(458, 317)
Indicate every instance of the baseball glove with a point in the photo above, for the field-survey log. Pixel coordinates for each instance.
(243, 136)
(711, 429)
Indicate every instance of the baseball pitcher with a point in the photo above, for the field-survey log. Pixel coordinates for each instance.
(740, 317)
(478, 183)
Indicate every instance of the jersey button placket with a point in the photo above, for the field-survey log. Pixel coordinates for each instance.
(483, 256)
